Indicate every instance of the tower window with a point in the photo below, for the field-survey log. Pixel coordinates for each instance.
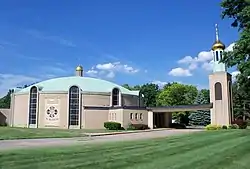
(33, 105)
(220, 55)
(218, 91)
(74, 103)
(217, 56)
(115, 97)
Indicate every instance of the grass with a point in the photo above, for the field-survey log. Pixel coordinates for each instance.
(225, 149)
(9, 133)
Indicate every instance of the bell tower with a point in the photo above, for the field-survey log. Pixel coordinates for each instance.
(220, 85)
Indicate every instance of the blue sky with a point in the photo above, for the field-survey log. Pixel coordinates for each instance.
(132, 41)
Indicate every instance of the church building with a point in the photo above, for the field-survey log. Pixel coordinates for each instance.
(75, 102)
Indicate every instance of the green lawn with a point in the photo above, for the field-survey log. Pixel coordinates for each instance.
(8, 133)
(205, 150)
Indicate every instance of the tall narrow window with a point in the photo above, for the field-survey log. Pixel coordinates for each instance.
(218, 91)
(115, 97)
(74, 109)
(220, 55)
(217, 56)
(33, 105)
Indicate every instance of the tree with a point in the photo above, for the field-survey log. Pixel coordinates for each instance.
(239, 11)
(240, 106)
(150, 92)
(5, 101)
(178, 94)
(201, 117)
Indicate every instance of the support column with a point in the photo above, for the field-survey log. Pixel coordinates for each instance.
(150, 119)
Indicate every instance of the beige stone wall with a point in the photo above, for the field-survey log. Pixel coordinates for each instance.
(94, 119)
(96, 99)
(5, 116)
(60, 101)
(127, 120)
(21, 110)
(220, 113)
(116, 115)
(88, 119)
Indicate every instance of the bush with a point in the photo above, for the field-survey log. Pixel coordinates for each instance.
(112, 125)
(177, 125)
(233, 126)
(213, 127)
(224, 127)
(137, 127)
(241, 123)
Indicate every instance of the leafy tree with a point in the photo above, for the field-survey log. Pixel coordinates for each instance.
(201, 117)
(150, 92)
(178, 94)
(239, 12)
(5, 101)
(241, 108)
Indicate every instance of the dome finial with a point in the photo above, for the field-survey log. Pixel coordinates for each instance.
(217, 44)
(216, 32)
(79, 70)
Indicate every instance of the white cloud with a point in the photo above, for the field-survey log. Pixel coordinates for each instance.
(180, 72)
(234, 75)
(230, 47)
(110, 75)
(8, 81)
(160, 83)
(109, 70)
(204, 60)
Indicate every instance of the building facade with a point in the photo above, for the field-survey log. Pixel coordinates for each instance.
(75, 102)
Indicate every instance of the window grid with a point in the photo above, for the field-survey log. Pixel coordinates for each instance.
(131, 116)
(136, 116)
(217, 56)
(115, 97)
(33, 105)
(141, 116)
(74, 105)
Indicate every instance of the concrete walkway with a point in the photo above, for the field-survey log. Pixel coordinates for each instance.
(32, 143)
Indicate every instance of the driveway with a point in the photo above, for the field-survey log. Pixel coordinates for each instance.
(32, 143)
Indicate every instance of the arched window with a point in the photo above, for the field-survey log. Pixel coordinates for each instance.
(131, 116)
(217, 56)
(33, 105)
(141, 116)
(74, 103)
(115, 97)
(221, 55)
(136, 116)
(218, 91)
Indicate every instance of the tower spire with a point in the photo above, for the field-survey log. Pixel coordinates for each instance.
(216, 32)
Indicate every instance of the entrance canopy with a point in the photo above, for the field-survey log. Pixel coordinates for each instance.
(181, 108)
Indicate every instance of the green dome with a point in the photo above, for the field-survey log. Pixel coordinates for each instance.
(86, 84)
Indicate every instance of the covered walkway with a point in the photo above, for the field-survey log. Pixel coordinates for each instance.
(162, 116)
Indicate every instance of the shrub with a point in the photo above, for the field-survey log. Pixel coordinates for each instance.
(137, 127)
(241, 123)
(224, 127)
(177, 125)
(213, 127)
(112, 125)
(233, 126)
